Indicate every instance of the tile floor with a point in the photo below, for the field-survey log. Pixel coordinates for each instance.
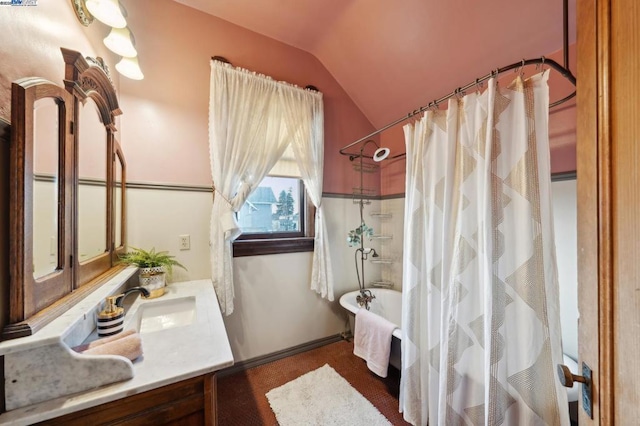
(242, 400)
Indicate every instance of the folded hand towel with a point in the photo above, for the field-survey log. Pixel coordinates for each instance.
(128, 344)
(98, 342)
(372, 340)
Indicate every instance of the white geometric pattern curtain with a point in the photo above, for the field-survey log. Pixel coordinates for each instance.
(481, 326)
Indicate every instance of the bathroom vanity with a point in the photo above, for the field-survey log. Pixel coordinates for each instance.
(184, 342)
(67, 229)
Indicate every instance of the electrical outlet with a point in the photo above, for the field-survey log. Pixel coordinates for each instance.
(185, 242)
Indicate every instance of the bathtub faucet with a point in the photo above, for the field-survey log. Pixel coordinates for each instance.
(364, 298)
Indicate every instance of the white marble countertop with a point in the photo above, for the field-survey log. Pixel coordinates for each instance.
(170, 355)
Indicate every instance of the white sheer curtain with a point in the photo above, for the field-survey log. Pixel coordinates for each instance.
(481, 326)
(250, 126)
(306, 109)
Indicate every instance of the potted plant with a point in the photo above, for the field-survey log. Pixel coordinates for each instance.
(154, 266)
(357, 235)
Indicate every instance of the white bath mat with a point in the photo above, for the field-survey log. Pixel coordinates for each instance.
(322, 397)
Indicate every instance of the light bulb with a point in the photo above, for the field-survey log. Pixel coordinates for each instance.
(107, 12)
(130, 68)
(120, 41)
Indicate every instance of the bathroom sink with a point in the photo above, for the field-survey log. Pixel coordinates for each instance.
(166, 314)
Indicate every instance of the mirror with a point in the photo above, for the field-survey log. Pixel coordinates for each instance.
(63, 227)
(45, 187)
(91, 146)
(96, 106)
(41, 198)
(118, 177)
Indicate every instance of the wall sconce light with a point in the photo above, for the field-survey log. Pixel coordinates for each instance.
(130, 68)
(122, 42)
(83, 15)
(107, 12)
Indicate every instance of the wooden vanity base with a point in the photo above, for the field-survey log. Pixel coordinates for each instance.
(191, 402)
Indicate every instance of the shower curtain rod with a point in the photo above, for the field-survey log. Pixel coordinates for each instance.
(565, 72)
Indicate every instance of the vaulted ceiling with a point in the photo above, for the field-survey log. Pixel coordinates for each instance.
(394, 56)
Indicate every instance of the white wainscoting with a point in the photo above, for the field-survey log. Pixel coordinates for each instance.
(274, 307)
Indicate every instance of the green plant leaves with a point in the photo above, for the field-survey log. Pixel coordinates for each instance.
(151, 258)
(355, 236)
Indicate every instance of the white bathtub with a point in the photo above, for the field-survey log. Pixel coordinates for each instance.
(387, 304)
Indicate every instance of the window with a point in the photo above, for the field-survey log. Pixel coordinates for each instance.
(273, 208)
(274, 219)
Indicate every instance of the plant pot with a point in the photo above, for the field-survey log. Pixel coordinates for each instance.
(154, 280)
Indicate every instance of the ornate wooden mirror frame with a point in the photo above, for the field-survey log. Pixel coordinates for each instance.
(37, 300)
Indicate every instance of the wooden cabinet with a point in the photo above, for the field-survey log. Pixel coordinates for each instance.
(191, 402)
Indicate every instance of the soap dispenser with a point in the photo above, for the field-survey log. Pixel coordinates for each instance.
(111, 319)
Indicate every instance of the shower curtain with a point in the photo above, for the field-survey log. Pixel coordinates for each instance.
(481, 326)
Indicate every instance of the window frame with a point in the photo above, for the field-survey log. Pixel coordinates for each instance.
(264, 243)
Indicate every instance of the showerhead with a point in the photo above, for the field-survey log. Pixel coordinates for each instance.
(371, 251)
(381, 154)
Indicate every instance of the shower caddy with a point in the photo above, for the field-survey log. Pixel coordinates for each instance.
(362, 196)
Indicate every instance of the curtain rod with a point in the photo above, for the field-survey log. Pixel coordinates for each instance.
(566, 73)
(226, 61)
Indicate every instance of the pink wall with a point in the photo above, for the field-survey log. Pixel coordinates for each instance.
(32, 44)
(164, 126)
(393, 172)
(562, 119)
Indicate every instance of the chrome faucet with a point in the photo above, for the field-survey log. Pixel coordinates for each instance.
(120, 298)
(364, 298)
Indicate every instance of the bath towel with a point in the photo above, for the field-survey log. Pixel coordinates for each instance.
(372, 340)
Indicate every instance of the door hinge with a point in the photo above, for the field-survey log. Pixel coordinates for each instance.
(587, 391)
(70, 261)
(71, 127)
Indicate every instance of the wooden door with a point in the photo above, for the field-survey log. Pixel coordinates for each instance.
(608, 149)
